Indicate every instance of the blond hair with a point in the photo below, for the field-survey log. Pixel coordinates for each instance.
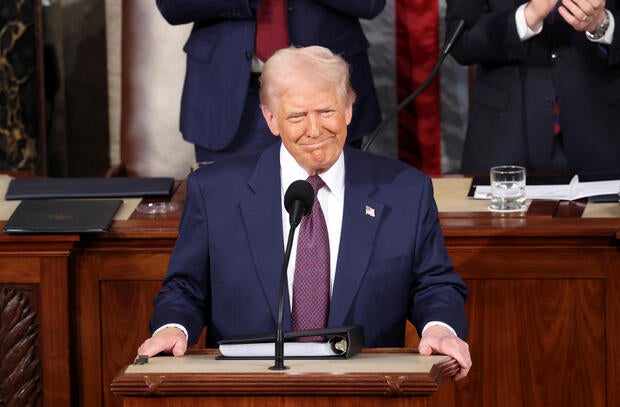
(282, 71)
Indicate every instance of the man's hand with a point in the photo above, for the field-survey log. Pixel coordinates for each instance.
(583, 15)
(537, 10)
(439, 339)
(170, 340)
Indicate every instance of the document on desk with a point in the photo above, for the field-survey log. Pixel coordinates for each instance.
(571, 191)
(291, 349)
(340, 342)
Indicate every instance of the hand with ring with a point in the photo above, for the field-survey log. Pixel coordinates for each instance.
(583, 15)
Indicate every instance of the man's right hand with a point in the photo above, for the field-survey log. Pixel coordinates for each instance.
(169, 340)
(537, 10)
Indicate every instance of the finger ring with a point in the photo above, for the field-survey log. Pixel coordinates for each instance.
(584, 18)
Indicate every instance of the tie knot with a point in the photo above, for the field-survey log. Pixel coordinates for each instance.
(316, 182)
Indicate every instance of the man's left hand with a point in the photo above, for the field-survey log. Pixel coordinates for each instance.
(439, 339)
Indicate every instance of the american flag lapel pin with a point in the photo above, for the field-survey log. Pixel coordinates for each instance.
(370, 211)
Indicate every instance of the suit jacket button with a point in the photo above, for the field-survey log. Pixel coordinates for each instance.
(248, 55)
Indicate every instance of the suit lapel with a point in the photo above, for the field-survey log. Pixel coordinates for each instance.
(361, 217)
(262, 217)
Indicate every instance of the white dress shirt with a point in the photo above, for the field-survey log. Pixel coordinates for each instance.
(331, 197)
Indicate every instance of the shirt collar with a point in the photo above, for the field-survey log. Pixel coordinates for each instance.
(291, 171)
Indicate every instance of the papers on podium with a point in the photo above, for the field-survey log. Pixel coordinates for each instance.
(62, 216)
(341, 342)
(570, 191)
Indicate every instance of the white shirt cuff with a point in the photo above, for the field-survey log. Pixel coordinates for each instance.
(433, 323)
(609, 34)
(525, 33)
(181, 327)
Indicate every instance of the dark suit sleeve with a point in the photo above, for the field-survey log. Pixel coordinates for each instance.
(614, 48)
(493, 38)
(189, 11)
(184, 298)
(438, 293)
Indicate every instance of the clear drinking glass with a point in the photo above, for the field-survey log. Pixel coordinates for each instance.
(507, 188)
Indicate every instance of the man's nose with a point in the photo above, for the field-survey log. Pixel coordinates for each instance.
(313, 125)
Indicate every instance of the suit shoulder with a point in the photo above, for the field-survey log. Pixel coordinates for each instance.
(229, 170)
(382, 168)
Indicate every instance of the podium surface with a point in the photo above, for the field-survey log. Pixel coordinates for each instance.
(394, 378)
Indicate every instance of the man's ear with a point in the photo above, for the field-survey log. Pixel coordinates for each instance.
(348, 112)
(270, 118)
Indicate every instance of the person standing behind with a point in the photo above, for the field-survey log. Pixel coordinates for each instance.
(220, 111)
(546, 93)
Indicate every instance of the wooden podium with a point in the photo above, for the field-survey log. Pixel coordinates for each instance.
(371, 378)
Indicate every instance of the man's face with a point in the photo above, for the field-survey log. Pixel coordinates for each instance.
(312, 122)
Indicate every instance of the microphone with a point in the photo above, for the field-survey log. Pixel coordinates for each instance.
(466, 13)
(298, 201)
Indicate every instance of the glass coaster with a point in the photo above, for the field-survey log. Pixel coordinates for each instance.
(157, 208)
(507, 210)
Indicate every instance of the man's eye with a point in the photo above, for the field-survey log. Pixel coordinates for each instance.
(327, 113)
(295, 118)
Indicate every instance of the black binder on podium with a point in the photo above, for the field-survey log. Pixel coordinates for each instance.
(91, 187)
(340, 342)
(62, 216)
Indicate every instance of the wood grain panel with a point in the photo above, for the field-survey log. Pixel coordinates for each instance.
(612, 299)
(20, 269)
(524, 262)
(535, 343)
(126, 307)
(306, 401)
(135, 266)
(86, 330)
(55, 328)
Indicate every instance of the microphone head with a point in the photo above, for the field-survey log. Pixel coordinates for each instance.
(302, 191)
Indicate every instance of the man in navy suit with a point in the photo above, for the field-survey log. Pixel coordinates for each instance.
(220, 112)
(388, 262)
(530, 55)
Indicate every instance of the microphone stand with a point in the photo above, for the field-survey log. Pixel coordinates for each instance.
(279, 352)
(443, 54)
(295, 219)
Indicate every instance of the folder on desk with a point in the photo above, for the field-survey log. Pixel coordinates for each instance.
(341, 342)
(62, 216)
(95, 187)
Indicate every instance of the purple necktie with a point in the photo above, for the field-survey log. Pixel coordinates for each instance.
(311, 283)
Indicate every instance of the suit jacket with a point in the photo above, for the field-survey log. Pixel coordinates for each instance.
(516, 84)
(220, 51)
(224, 272)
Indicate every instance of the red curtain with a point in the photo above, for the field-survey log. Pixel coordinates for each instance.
(417, 50)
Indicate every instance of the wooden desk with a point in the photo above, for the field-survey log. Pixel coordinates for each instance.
(392, 378)
(544, 308)
(34, 320)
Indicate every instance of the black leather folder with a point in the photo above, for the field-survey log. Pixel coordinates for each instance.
(62, 216)
(345, 342)
(95, 187)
